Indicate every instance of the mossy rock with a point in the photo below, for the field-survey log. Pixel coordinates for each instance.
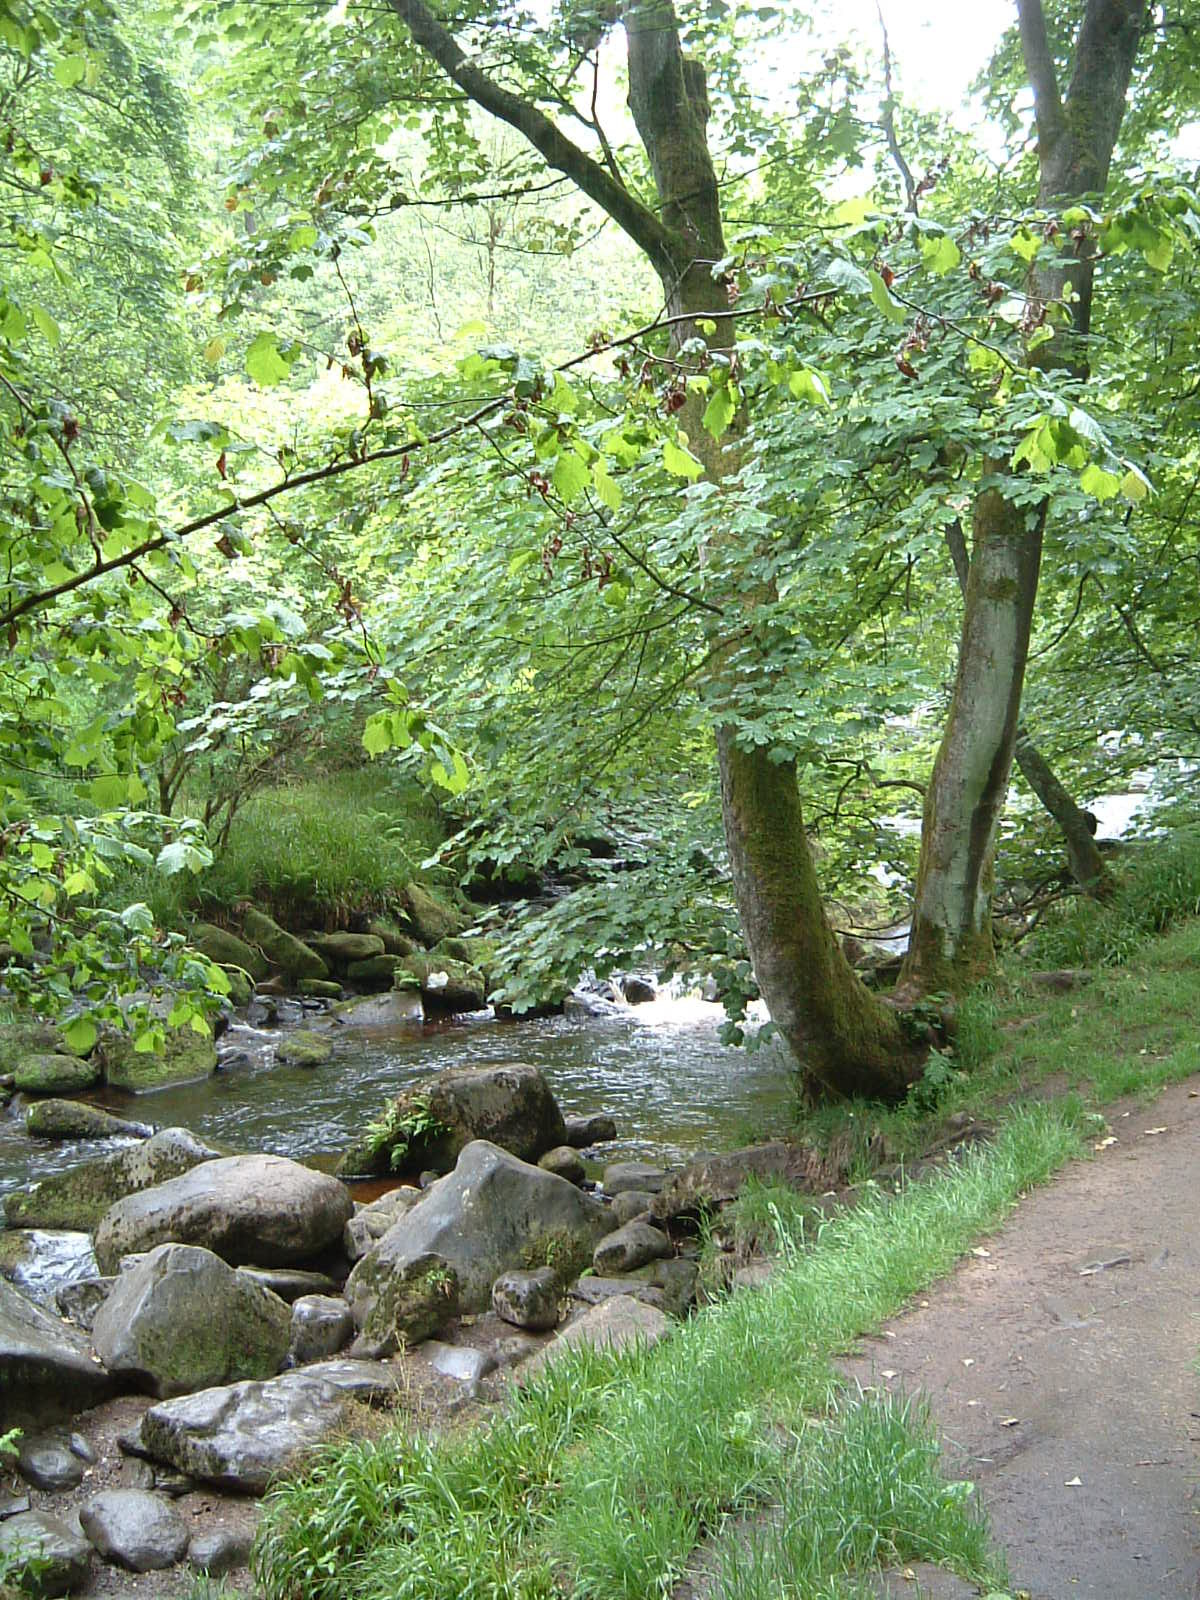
(407, 1304)
(433, 918)
(304, 1049)
(241, 986)
(394, 940)
(320, 988)
(187, 1057)
(476, 952)
(227, 950)
(75, 1119)
(80, 1196)
(375, 970)
(283, 950)
(21, 1039)
(445, 985)
(340, 949)
(54, 1074)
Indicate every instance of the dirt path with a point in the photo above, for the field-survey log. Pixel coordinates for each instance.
(1061, 1367)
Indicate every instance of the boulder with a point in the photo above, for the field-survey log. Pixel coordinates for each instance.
(395, 943)
(462, 1362)
(591, 1291)
(79, 1197)
(528, 1299)
(54, 1074)
(289, 1283)
(399, 1008)
(713, 1181)
(632, 1246)
(614, 1325)
(241, 1436)
(428, 1125)
(319, 989)
(75, 1119)
(622, 1175)
(564, 1163)
(257, 1209)
(370, 1223)
(283, 950)
(432, 917)
(79, 1302)
(304, 1048)
(593, 1129)
(376, 970)
(404, 1304)
(47, 1461)
(217, 1551)
(21, 1039)
(183, 1320)
(136, 1530)
(630, 1203)
(46, 1368)
(47, 1557)
(638, 991)
(675, 1277)
(340, 949)
(491, 1214)
(227, 950)
(321, 1326)
(186, 1057)
(241, 987)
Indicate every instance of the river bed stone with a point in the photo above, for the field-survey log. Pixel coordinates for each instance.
(135, 1529)
(631, 1246)
(79, 1197)
(62, 1556)
(46, 1367)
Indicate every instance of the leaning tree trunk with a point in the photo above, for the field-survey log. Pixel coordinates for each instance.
(952, 933)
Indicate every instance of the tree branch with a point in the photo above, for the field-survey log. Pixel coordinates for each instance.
(1039, 63)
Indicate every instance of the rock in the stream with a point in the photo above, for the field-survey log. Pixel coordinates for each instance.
(340, 949)
(594, 1129)
(37, 1259)
(612, 1325)
(79, 1197)
(54, 1074)
(321, 1326)
(21, 1039)
(631, 1246)
(183, 1320)
(139, 1531)
(370, 1223)
(186, 1057)
(491, 1214)
(319, 988)
(445, 985)
(304, 1048)
(638, 991)
(622, 1175)
(241, 1436)
(75, 1119)
(399, 1008)
(378, 972)
(432, 917)
(217, 1551)
(564, 1163)
(79, 1302)
(47, 1461)
(258, 1209)
(227, 950)
(283, 950)
(713, 1181)
(427, 1126)
(528, 1299)
(46, 1367)
(48, 1557)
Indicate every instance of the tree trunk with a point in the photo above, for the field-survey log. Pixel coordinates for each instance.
(952, 933)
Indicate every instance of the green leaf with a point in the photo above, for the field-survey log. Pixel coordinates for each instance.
(266, 363)
(81, 1035)
(719, 412)
(570, 476)
(70, 71)
(1025, 244)
(109, 792)
(884, 301)
(46, 325)
(808, 385)
(845, 275)
(680, 463)
(1094, 480)
(138, 918)
(607, 489)
(183, 855)
(1135, 485)
(520, 561)
(940, 254)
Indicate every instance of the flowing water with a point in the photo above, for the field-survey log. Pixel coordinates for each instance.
(659, 1070)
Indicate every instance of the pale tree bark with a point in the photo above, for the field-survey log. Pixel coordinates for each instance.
(846, 1040)
(952, 930)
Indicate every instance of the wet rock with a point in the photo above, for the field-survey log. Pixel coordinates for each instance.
(564, 1163)
(46, 1368)
(283, 950)
(400, 1007)
(39, 1261)
(622, 1175)
(631, 1246)
(427, 1126)
(255, 1209)
(592, 1291)
(319, 989)
(75, 1119)
(79, 1197)
(583, 1003)
(379, 972)
(676, 1279)
(630, 1203)
(240, 1436)
(47, 1461)
(184, 1320)
(227, 949)
(370, 1223)
(289, 1283)
(321, 1326)
(220, 1550)
(241, 988)
(21, 1039)
(446, 986)
(186, 1057)
(638, 991)
(433, 918)
(48, 1557)
(461, 1362)
(340, 950)
(80, 1447)
(12, 1505)
(395, 943)
(304, 1049)
(613, 1325)
(401, 1302)
(136, 1530)
(491, 1214)
(713, 1181)
(593, 1129)
(54, 1074)
(528, 1299)
(368, 1381)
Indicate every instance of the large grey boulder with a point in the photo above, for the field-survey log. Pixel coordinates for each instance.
(240, 1436)
(54, 1074)
(48, 1558)
(426, 1126)
(258, 1209)
(492, 1213)
(134, 1529)
(183, 1320)
(46, 1368)
(79, 1197)
(632, 1246)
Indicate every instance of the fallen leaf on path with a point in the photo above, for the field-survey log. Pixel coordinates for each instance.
(1073, 1483)
(1009, 1422)
(968, 1361)
(1103, 1144)
(1146, 1132)
(980, 1251)
(888, 1372)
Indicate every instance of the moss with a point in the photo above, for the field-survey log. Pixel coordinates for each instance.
(186, 1058)
(411, 1304)
(53, 1074)
(564, 1253)
(304, 1049)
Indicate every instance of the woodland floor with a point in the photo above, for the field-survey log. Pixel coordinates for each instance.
(1060, 1365)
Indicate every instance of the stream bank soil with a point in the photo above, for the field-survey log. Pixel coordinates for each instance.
(1060, 1364)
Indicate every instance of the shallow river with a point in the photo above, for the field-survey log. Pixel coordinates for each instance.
(659, 1070)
